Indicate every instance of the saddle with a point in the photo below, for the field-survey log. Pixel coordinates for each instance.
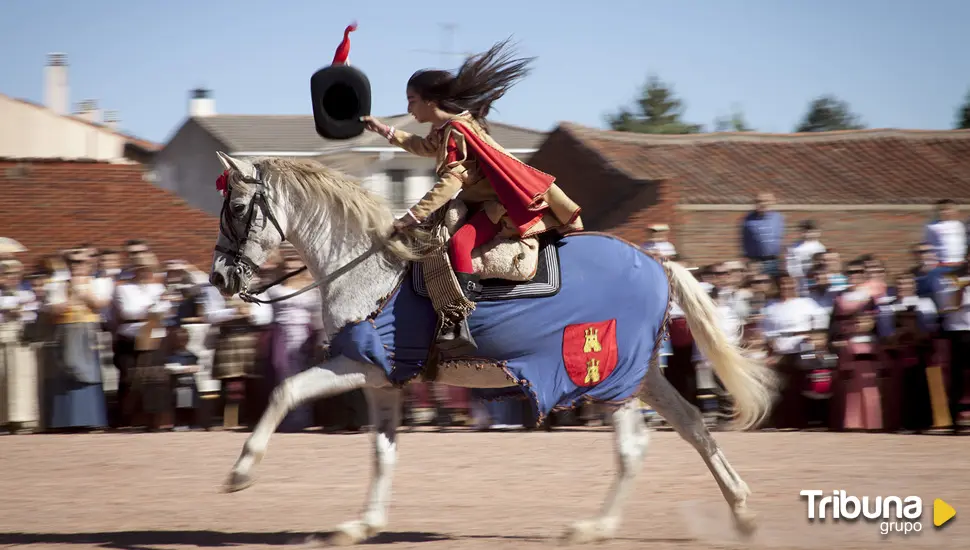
(509, 268)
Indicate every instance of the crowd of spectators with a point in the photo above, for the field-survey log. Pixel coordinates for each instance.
(96, 339)
(854, 348)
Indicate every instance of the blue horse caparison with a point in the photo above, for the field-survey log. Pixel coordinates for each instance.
(593, 340)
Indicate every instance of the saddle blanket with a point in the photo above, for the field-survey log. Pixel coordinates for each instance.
(591, 341)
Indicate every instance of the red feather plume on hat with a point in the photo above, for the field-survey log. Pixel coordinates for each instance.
(343, 50)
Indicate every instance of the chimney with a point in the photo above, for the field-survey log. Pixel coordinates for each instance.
(89, 111)
(55, 83)
(111, 119)
(201, 103)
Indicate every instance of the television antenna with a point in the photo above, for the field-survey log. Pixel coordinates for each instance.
(447, 44)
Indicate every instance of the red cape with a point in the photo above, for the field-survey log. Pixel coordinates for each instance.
(520, 187)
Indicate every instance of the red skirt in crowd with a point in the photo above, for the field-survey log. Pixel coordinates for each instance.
(856, 399)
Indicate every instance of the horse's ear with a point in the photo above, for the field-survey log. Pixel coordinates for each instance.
(244, 167)
(225, 159)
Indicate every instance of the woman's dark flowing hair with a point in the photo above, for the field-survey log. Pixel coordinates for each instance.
(480, 81)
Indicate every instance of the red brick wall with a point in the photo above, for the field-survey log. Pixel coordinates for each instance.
(656, 204)
(705, 237)
(51, 205)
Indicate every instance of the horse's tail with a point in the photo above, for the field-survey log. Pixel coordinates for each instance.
(749, 381)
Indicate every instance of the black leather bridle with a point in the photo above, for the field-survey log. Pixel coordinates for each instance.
(242, 262)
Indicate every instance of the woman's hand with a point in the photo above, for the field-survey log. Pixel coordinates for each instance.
(403, 223)
(374, 125)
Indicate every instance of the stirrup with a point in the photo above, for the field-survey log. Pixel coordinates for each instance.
(455, 338)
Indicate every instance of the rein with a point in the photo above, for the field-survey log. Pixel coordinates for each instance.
(243, 262)
(250, 296)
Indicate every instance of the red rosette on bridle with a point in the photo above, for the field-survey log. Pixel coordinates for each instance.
(222, 183)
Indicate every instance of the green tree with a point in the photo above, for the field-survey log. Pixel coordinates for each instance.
(658, 111)
(963, 114)
(735, 122)
(827, 113)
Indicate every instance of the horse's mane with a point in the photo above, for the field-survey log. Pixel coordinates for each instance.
(344, 196)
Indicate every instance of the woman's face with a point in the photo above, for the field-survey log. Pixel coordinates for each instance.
(856, 275)
(760, 283)
(420, 109)
(822, 281)
(875, 271)
(786, 287)
(905, 287)
(79, 267)
(832, 261)
(144, 274)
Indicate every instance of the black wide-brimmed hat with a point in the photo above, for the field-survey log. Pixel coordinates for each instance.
(340, 95)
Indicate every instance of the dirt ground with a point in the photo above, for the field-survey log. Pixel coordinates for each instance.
(460, 490)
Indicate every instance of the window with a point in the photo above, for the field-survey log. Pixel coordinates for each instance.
(398, 189)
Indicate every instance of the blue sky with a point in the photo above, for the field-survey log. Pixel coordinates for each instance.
(901, 64)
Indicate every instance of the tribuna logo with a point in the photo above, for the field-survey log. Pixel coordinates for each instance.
(895, 514)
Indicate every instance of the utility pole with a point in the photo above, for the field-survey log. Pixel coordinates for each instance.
(447, 45)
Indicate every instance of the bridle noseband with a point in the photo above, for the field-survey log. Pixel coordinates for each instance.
(242, 262)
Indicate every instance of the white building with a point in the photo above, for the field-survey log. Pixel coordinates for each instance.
(188, 165)
(52, 131)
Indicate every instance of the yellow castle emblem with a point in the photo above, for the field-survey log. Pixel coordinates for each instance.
(592, 341)
(592, 371)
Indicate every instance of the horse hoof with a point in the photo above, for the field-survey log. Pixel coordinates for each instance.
(341, 538)
(745, 521)
(583, 532)
(352, 532)
(238, 481)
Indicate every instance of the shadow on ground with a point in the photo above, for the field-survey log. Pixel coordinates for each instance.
(148, 540)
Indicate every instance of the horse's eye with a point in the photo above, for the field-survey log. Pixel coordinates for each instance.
(238, 209)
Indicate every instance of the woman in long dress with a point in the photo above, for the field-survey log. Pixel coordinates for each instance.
(856, 402)
(74, 389)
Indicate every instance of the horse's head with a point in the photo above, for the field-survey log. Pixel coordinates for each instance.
(249, 228)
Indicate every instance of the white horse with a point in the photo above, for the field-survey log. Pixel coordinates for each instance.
(343, 234)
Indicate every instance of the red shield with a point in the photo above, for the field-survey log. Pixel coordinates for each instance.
(589, 352)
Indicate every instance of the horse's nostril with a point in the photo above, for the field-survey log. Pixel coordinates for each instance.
(217, 280)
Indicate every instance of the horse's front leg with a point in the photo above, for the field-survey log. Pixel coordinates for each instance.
(385, 416)
(333, 377)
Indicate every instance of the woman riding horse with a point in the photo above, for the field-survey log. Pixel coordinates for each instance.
(505, 196)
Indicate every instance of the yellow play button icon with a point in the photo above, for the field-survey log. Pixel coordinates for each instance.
(942, 512)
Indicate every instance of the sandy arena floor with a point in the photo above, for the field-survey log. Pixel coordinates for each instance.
(459, 490)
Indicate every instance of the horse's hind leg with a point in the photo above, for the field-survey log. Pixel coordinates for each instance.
(333, 377)
(385, 416)
(689, 423)
(631, 437)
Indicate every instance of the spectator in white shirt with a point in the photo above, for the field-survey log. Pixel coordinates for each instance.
(658, 242)
(947, 234)
(787, 323)
(801, 255)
